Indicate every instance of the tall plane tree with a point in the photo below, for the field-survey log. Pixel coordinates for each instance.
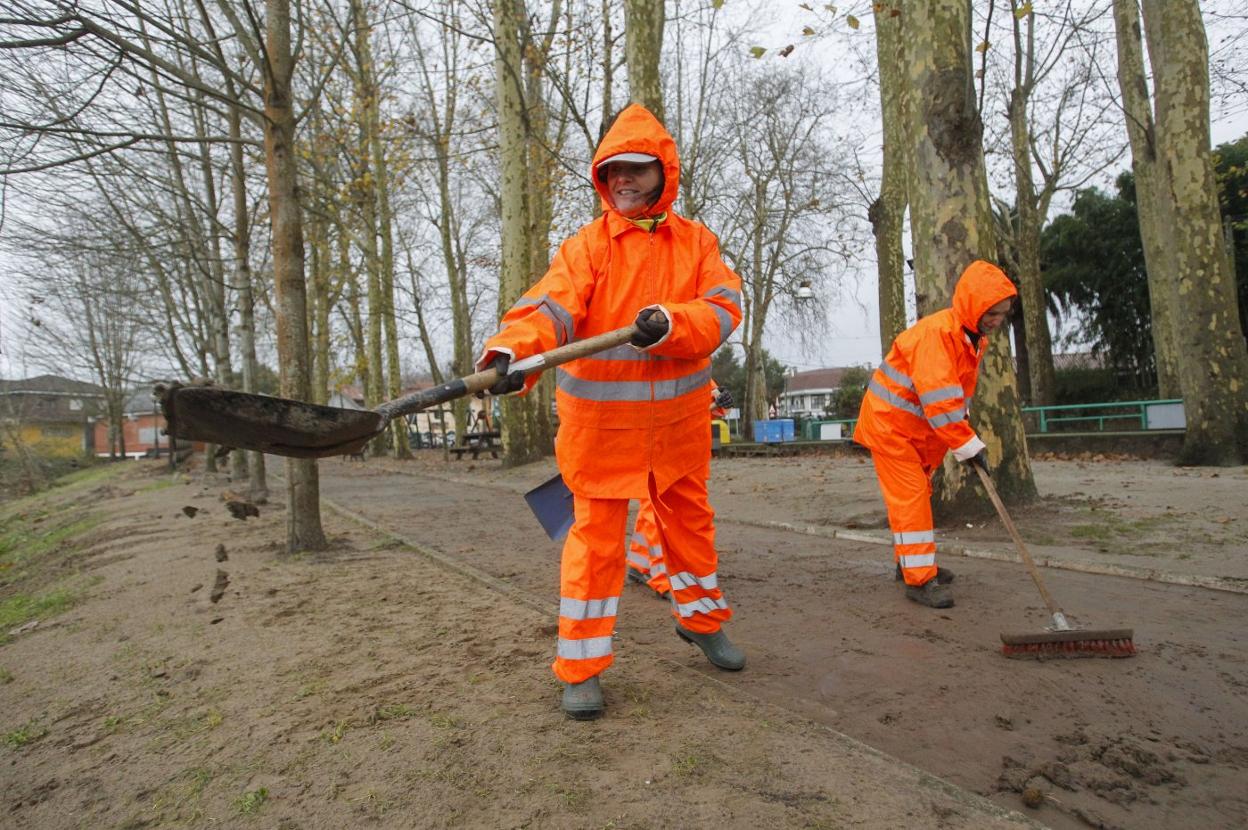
(951, 226)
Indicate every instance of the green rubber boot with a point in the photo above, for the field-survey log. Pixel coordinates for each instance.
(583, 701)
(930, 593)
(717, 648)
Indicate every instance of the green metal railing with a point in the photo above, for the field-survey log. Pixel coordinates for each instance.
(1136, 411)
(1128, 414)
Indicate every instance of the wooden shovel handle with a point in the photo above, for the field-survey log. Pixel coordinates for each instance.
(1018, 540)
(481, 381)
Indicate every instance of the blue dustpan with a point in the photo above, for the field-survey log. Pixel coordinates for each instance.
(551, 503)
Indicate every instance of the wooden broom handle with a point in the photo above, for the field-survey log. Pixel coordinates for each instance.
(1018, 540)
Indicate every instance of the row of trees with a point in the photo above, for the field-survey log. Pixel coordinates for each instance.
(340, 184)
(323, 183)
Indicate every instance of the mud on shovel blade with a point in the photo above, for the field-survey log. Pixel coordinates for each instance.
(304, 430)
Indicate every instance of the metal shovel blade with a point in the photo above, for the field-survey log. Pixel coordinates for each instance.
(274, 425)
(551, 503)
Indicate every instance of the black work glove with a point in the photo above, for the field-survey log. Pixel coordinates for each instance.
(507, 382)
(980, 460)
(651, 326)
(723, 398)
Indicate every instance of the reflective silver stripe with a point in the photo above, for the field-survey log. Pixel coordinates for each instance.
(918, 560)
(559, 316)
(953, 417)
(943, 394)
(585, 649)
(631, 390)
(896, 376)
(637, 559)
(684, 579)
(705, 605)
(733, 295)
(659, 568)
(895, 400)
(914, 537)
(726, 324)
(625, 353)
(588, 609)
(639, 539)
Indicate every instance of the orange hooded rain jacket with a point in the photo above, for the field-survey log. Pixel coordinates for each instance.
(628, 413)
(921, 394)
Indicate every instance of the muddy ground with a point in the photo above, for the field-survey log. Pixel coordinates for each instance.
(401, 678)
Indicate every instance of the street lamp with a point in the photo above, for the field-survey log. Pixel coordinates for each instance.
(804, 291)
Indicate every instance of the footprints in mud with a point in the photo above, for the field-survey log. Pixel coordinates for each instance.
(1092, 769)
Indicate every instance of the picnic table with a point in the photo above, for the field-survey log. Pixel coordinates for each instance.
(479, 442)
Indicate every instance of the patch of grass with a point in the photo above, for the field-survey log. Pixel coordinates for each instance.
(190, 725)
(22, 608)
(1098, 532)
(159, 484)
(335, 735)
(113, 723)
(444, 721)
(250, 802)
(6, 677)
(392, 711)
(26, 734)
(24, 540)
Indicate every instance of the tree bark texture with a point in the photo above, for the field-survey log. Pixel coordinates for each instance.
(258, 488)
(887, 212)
(303, 523)
(522, 433)
(643, 45)
(1212, 359)
(951, 225)
(1149, 195)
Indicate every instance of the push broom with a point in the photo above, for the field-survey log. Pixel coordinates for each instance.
(1060, 640)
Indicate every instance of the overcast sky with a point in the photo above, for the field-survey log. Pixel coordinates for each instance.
(852, 325)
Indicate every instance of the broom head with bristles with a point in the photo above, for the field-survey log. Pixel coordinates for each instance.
(1116, 642)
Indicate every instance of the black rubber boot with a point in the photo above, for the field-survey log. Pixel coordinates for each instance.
(583, 701)
(930, 593)
(943, 576)
(636, 576)
(717, 648)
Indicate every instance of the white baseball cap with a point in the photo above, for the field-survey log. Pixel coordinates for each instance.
(639, 158)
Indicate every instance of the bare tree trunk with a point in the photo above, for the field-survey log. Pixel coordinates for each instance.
(643, 44)
(1212, 360)
(259, 486)
(522, 434)
(303, 522)
(542, 167)
(1149, 195)
(887, 212)
(952, 225)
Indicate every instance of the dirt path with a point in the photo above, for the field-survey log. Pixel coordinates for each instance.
(173, 668)
(1154, 742)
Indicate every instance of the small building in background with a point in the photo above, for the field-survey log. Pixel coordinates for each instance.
(808, 394)
(49, 414)
(142, 428)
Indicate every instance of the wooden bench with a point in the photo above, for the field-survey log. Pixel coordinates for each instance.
(479, 442)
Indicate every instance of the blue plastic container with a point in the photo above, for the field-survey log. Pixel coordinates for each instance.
(773, 431)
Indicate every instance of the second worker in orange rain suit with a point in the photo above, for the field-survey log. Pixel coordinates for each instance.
(915, 411)
(632, 420)
(646, 565)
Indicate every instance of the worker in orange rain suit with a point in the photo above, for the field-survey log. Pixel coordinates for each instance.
(645, 548)
(915, 410)
(632, 420)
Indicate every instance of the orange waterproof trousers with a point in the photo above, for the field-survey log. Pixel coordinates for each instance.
(906, 483)
(645, 549)
(591, 574)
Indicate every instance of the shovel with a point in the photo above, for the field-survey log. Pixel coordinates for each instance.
(305, 430)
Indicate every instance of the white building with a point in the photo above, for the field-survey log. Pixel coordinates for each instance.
(808, 394)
